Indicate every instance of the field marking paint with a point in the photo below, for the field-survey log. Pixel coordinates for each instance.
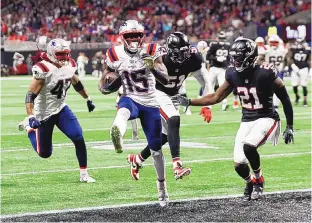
(144, 204)
(193, 124)
(167, 164)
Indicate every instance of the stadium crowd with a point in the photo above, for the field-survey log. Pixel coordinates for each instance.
(96, 20)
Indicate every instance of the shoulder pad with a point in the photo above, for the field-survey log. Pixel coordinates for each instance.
(72, 62)
(213, 43)
(112, 55)
(42, 66)
(227, 43)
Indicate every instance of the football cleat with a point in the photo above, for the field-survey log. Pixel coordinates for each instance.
(297, 100)
(23, 124)
(116, 138)
(163, 196)
(235, 105)
(258, 188)
(179, 171)
(134, 166)
(188, 111)
(305, 103)
(85, 178)
(249, 189)
(224, 107)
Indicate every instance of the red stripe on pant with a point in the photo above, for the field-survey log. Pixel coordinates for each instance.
(163, 114)
(268, 134)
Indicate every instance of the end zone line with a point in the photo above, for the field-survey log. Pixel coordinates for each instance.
(145, 203)
(167, 164)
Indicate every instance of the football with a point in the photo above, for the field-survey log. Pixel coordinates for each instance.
(112, 82)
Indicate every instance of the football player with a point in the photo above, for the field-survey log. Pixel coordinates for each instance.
(218, 61)
(261, 49)
(46, 107)
(138, 67)
(275, 54)
(202, 47)
(181, 60)
(299, 59)
(255, 85)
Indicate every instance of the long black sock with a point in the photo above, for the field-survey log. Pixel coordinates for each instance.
(305, 91)
(81, 152)
(252, 155)
(174, 136)
(242, 170)
(146, 152)
(296, 92)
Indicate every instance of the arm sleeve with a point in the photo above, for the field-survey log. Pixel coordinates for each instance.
(282, 94)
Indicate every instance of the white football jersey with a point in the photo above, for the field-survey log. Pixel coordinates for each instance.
(276, 56)
(262, 50)
(137, 80)
(82, 59)
(57, 81)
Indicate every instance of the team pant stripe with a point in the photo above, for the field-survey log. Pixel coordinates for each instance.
(163, 114)
(38, 140)
(268, 134)
(153, 49)
(43, 67)
(115, 54)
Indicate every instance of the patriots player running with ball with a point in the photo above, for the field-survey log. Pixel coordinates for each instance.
(46, 107)
(138, 67)
(255, 85)
(181, 60)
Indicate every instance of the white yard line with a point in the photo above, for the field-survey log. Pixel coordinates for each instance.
(143, 204)
(190, 124)
(168, 163)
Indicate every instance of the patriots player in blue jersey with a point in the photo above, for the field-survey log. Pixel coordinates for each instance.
(46, 107)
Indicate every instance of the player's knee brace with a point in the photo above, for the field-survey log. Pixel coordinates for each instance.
(305, 91)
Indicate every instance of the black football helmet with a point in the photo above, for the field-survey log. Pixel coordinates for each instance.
(178, 47)
(243, 54)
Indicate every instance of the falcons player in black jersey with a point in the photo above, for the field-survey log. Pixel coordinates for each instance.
(299, 59)
(181, 60)
(255, 85)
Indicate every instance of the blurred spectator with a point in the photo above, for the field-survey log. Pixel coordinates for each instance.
(5, 70)
(99, 20)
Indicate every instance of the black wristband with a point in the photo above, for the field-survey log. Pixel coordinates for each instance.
(78, 87)
(30, 97)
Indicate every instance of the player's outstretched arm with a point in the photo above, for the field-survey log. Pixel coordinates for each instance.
(78, 86)
(223, 91)
(34, 89)
(160, 72)
(282, 94)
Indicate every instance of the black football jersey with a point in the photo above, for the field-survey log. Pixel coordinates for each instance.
(178, 72)
(300, 57)
(218, 54)
(255, 89)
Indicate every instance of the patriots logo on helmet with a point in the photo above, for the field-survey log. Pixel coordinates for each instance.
(53, 43)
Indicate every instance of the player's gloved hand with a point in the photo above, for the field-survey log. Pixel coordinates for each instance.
(181, 100)
(33, 122)
(148, 60)
(288, 135)
(90, 105)
(206, 113)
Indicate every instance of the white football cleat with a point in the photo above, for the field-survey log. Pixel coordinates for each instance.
(85, 178)
(116, 138)
(188, 111)
(224, 107)
(163, 196)
(23, 124)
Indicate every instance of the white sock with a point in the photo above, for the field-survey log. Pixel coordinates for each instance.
(83, 171)
(123, 114)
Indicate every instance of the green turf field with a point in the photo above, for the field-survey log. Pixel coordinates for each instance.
(32, 184)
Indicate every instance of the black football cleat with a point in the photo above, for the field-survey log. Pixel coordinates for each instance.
(248, 191)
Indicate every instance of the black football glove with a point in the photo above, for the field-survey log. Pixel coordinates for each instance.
(288, 135)
(90, 105)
